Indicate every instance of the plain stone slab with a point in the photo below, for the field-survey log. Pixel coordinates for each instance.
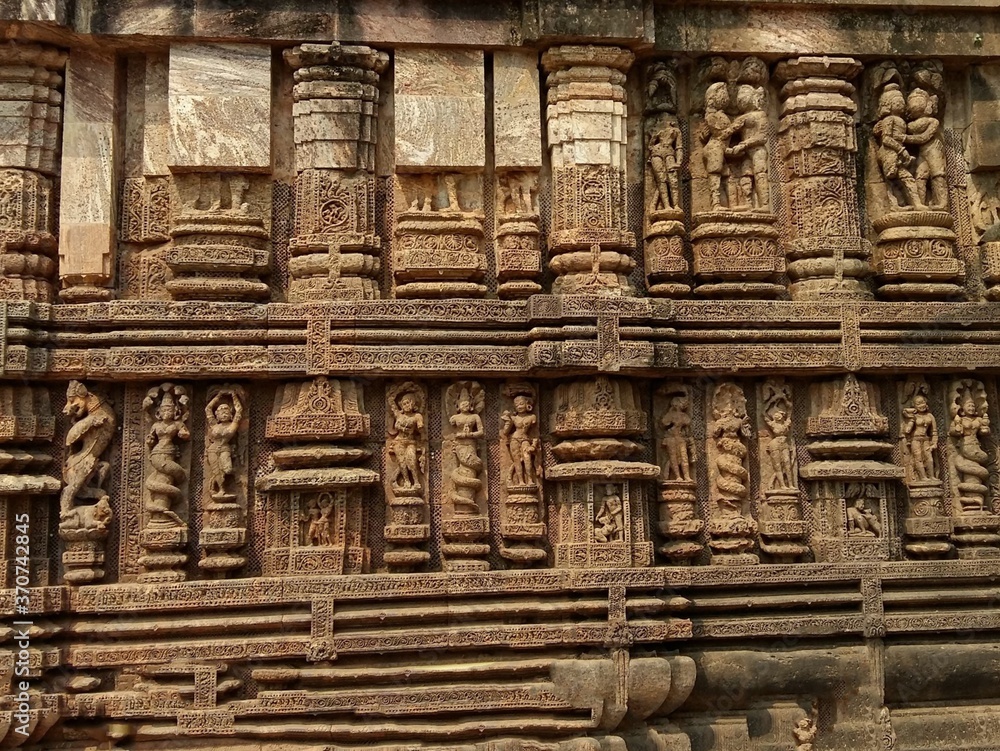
(220, 107)
(440, 109)
(517, 119)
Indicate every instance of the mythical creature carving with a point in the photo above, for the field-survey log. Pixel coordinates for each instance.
(86, 473)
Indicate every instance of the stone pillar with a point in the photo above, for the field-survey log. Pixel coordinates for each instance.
(589, 243)
(317, 515)
(440, 122)
(598, 509)
(28, 167)
(517, 159)
(827, 254)
(87, 212)
(219, 145)
(907, 184)
(335, 251)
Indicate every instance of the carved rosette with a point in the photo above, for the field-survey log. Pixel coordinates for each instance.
(666, 266)
(589, 244)
(438, 244)
(827, 254)
(164, 536)
(407, 528)
(518, 254)
(782, 529)
(679, 523)
(26, 425)
(29, 165)
(522, 514)
(907, 187)
(598, 507)
(927, 522)
(850, 482)
(465, 523)
(971, 455)
(335, 251)
(732, 530)
(734, 241)
(317, 495)
(224, 496)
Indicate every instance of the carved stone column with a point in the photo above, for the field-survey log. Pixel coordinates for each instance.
(335, 251)
(734, 240)
(666, 267)
(465, 522)
(25, 489)
(522, 514)
(907, 184)
(28, 167)
(224, 496)
(407, 522)
(598, 506)
(679, 523)
(927, 521)
(827, 253)
(316, 498)
(850, 482)
(589, 244)
(220, 144)
(440, 122)
(85, 513)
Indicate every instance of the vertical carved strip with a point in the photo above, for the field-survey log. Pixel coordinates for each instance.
(407, 528)
(522, 514)
(679, 524)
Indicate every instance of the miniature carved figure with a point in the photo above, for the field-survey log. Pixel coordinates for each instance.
(517, 192)
(311, 520)
(781, 450)
(677, 439)
(805, 732)
(518, 434)
(85, 472)
(861, 522)
(718, 130)
(609, 521)
(924, 130)
(968, 424)
(665, 155)
(468, 427)
(730, 429)
(222, 416)
(93, 518)
(893, 158)
(405, 445)
(169, 429)
(751, 150)
(324, 525)
(920, 437)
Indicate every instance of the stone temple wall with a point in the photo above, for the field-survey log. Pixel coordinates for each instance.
(519, 375)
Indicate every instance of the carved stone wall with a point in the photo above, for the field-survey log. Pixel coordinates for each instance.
(508, 376)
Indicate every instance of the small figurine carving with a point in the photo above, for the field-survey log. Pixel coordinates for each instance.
(93, 518)
(168, 405)
(751, 150)
(609, 521)
(517, 192)
(223, 414)
(731, 429)
(893, 158)
(405, 444)
(805, 731)
(311, 520)
(924, 130)
(518, 434)
(665, 150)
(970, 422)
(781, 450)
(88, 438)
(719, 128)
(468, 426)
(425, 190)
(677, 438)
(920, 437)
(861, 522)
